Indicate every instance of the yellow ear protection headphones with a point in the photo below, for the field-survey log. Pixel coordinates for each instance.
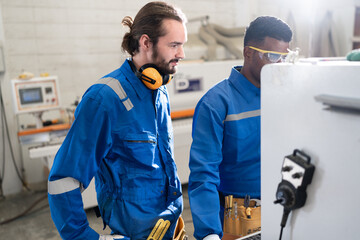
(151, 76)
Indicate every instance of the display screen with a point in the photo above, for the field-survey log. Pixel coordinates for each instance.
(30, 95)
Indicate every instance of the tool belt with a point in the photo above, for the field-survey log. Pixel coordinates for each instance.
(242, 216)
(179, 233)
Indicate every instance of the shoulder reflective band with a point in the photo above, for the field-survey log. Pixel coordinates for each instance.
(243, 115)
(63, 185)
(118, 89)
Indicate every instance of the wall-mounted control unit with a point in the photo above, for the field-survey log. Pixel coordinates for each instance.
(36, 94)
(297, 173)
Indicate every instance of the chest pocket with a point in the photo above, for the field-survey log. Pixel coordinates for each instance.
(142, 148)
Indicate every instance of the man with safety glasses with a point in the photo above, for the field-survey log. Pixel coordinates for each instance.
(224, 183)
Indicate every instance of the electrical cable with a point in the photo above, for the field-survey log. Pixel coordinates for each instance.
(284, 220)
(2, 175)
(25, 212)
(10, 145)
(281, 231)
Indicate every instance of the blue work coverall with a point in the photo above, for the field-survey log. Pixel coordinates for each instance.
(122, 134)
(225, 152)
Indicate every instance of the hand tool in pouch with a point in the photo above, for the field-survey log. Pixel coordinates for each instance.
(159, 230)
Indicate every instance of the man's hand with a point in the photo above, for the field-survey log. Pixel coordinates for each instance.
(211, 237)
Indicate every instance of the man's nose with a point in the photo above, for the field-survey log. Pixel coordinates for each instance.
(181, 53)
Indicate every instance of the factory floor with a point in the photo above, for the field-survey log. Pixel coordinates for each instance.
(36, 224)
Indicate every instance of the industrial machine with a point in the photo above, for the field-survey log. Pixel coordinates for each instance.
(36, 96)
(313, 106)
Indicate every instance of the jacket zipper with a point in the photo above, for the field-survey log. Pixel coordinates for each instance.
(141, 141)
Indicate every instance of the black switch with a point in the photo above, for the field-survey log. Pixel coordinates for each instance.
(297, 175)
(287, 168)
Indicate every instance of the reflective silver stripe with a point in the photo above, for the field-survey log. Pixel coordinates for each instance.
(113, 237)
(63, 185)
(118, 89)
(128, 104)
(243, 115)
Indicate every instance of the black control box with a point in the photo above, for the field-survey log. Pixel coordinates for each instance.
(297, 173)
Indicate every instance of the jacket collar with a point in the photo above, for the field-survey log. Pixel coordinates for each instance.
(140, 89)
(242, 85)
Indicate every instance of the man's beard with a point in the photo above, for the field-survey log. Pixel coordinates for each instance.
(163, 66)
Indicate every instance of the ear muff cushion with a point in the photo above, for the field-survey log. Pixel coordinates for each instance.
(167, 79)
(151, 78)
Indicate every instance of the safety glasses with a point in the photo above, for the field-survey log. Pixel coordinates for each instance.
(271, 56)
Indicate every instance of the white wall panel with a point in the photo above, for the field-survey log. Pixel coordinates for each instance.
(15, 64)
(17, 15)
(20, 30)
(22, 46)
(50, 15)
(50, 31)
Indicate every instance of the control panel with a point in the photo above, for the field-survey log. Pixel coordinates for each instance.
(36, 94)
(297, 173)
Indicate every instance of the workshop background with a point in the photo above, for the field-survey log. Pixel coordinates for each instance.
(80, 40)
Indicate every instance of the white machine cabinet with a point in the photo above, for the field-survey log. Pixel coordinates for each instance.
(294, 116)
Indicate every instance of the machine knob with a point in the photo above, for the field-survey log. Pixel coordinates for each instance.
(285, 196)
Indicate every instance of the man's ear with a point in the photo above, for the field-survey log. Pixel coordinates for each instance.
(145, 42)
(247, 52)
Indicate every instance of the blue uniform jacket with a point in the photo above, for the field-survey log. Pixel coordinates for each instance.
(225, 152)
(122, 135)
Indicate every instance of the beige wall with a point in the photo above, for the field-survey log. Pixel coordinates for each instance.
(311, 23)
